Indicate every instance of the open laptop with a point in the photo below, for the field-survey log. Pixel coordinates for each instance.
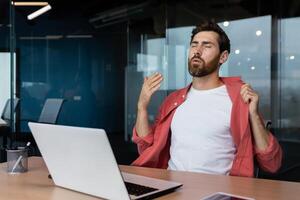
(81, 159)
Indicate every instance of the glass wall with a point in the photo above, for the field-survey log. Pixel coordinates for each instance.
(67, 58)
(250, 55)
(290, 75)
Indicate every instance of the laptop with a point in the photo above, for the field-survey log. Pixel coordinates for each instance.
(81, 159)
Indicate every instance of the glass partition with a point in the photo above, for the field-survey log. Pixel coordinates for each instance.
(290, 74)
(250, 59)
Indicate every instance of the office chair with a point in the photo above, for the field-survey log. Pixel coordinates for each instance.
(49, 115)
(6, 111)
(290, 169)
(50, 111)
(5, 129)
(6, 117)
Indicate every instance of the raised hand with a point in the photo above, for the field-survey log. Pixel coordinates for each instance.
(151, 84)
(250, 97)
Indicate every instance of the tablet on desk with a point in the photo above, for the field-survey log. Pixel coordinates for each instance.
(225, 196)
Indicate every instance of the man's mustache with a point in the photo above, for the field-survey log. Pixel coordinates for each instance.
(198, 57)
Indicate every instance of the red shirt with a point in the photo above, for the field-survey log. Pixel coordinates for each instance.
(154, 148)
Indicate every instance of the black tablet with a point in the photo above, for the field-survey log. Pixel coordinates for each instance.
(225, 196)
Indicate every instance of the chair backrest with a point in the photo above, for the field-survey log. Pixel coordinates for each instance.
(50, 111)
(6, 114)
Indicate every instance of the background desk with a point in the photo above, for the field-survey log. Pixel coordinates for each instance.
(35, 185)
(3, 123)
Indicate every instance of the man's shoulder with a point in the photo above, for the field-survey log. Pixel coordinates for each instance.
(233, 80)
(233, 85)
(178, 93)
(176, 96)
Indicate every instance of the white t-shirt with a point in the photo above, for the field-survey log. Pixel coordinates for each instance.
(201, 140)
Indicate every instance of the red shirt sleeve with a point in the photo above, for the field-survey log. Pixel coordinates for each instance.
(270, 158)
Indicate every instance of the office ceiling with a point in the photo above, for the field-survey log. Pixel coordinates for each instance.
(89, 9)
(86, 8)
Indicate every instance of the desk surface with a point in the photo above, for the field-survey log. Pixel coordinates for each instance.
(35, 185)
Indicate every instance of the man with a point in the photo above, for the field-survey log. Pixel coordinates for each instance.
(211, 126)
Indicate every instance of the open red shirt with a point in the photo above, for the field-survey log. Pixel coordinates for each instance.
(154, 148)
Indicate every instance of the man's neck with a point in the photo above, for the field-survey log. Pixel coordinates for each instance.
(207, 82)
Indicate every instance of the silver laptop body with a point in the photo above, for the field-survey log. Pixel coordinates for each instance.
(81, 159)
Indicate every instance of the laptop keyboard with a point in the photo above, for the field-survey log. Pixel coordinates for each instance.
(137, 190)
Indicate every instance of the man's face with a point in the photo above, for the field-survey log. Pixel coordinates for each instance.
(204, 54)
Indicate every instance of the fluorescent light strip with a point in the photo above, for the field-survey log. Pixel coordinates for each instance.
(79, 36)
(31, 38)
(29, 3)
(38, 12)
(47, 37)
(54, 37)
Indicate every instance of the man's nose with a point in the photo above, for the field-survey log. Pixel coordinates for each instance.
(199, 50)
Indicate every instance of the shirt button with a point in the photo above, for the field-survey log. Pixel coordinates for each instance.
(183, 96)
(175, 104)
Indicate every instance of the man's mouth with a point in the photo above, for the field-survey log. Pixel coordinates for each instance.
(197, 60)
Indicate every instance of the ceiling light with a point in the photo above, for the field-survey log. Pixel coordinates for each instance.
(79, 36)
(237, 51)
(29, 3)
(47, 37)
(32, 38)
(38, 12)
(53, 37)
(117, 15)
(226, 23)
(253, 68)
(258, 32)
(292, 57)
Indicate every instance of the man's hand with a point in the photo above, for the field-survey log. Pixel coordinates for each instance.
(250, 97)
(151, 85)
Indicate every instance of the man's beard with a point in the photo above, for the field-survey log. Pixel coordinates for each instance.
(201, 68)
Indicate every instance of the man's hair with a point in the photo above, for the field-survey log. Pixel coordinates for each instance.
(224, 42)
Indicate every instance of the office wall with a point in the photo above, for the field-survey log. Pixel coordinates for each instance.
(86, 70)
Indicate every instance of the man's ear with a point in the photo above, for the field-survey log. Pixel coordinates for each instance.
(223, 57)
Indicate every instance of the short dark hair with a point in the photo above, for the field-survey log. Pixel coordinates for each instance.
(224, 42)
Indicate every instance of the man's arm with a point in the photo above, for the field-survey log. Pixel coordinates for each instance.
(260, 133)
(151, 84)
(267, 149)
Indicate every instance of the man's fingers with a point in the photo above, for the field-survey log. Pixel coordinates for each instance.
(151, 82)
(155, 75)
(158, 81)
(246, 86)
(154, 78)
(145, 79)
(248, 96)
(154, 88)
